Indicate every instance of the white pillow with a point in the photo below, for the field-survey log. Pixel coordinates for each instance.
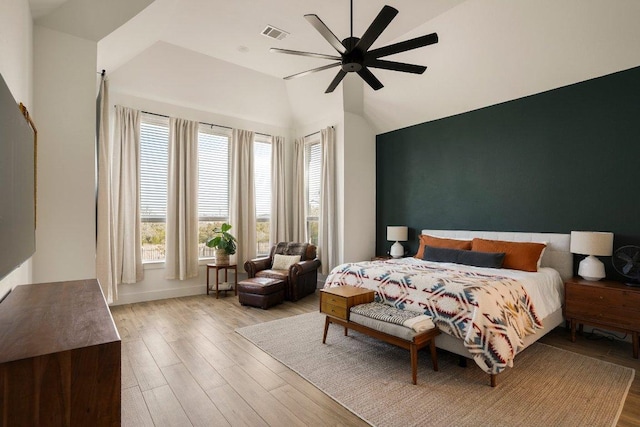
(283, 262)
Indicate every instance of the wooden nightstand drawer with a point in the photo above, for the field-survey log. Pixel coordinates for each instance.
(334, 310)
(615, 317)
(332, 299)
(583, 295)
(338, 301)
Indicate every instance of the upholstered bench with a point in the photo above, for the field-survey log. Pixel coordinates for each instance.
(260, 292)
(361, 320)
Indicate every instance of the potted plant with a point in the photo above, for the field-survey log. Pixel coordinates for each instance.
(223, 243)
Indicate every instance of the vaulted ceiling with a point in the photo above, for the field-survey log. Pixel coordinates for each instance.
(489, 51)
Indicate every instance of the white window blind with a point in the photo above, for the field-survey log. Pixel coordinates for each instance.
(313, 166)
(262, 185)
(213, 178)
(262, 177)
(154, 141)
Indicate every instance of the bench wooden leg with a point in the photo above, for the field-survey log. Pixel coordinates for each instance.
(494, 381)
(414, 363)
(434, 355)
(326, 328)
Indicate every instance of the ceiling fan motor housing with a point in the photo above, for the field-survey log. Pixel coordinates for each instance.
(352, 60)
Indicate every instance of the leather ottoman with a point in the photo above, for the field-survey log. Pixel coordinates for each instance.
(261, 292)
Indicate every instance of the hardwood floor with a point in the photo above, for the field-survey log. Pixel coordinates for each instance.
(183, 364)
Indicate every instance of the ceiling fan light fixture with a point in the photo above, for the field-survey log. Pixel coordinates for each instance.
(354, 52)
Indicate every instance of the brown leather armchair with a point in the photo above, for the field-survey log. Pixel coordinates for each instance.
(300, 279)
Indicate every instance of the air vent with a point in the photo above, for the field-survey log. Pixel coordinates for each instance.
(274, 33)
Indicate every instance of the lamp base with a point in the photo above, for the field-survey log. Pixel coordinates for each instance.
(397, 250)
(591, 268)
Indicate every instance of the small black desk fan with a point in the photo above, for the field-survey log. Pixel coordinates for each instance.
(626, 261)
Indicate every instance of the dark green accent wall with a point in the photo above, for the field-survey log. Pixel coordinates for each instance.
(562, 160)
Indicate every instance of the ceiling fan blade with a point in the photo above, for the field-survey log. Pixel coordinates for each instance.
(404, 46)
(314, 70)
(336, 81)
(371, 80)
(326, 32)
(395, 66)
(376, 28)
(309, 54)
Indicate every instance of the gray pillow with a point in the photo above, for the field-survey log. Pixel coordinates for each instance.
(458, 256)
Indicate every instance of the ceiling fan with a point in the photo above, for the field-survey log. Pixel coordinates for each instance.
(355, 55)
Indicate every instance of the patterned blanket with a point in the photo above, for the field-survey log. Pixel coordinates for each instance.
(490, 313)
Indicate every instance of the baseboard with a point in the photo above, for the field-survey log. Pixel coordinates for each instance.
(161, 294)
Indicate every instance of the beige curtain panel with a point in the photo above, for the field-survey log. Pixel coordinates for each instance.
(104, 248)
(119, 249)
(279, 227)
(328, 230)
(182, 201)
(299, 214)
(242, 200)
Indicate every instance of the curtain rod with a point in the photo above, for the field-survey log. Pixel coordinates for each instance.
(203, 123)
(311, 134)
(315, 133)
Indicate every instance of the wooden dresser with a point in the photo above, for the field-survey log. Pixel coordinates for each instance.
(605, 303)
(59, 357)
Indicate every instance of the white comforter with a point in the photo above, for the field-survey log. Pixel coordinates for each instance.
(491, 310)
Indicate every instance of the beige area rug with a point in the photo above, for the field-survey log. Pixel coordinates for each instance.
(546, 387)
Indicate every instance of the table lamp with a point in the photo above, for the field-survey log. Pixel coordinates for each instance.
(592, 244)
(398, 234)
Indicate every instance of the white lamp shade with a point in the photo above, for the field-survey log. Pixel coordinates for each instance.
(397, 233)
(592, 243)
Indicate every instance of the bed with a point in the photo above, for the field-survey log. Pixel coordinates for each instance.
(486, 314)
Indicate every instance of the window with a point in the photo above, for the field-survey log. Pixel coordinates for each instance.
(213, 184)
(312, 167)
(262, 184)
(154, 143)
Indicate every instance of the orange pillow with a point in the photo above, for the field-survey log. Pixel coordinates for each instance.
(439, 242)
(518, 255)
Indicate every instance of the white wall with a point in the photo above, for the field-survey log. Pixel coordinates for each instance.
(358, 219)
(170, 74)
(64, 100)
(16, 58)
(358, 175)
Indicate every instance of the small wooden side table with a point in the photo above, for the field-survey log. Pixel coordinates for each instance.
(226, 268)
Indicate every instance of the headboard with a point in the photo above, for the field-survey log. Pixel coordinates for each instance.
(556, 255)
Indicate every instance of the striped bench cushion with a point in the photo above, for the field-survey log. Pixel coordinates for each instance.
(383, 312)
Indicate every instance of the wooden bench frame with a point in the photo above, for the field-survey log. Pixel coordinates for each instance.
(419, 341)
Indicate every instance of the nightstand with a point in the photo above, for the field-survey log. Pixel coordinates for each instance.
(606, 304)
(337, 302)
